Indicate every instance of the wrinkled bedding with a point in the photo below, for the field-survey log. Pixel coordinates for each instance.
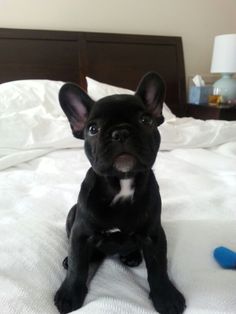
(42, 169)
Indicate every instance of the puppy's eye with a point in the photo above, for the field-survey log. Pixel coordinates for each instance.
(93, 129)
(146, 119)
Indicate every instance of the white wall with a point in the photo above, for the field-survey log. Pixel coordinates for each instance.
(197, 21)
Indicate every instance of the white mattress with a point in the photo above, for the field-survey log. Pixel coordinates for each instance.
(196, 171)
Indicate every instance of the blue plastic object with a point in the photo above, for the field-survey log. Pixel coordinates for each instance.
(225, 257)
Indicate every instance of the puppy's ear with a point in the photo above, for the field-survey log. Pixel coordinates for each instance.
(76, 104)
(151, 90)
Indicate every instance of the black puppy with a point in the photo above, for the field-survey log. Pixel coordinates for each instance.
(119, 205)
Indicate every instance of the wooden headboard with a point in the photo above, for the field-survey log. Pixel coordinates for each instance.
(115, 59)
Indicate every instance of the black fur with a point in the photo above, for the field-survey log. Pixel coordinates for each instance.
(121, 142)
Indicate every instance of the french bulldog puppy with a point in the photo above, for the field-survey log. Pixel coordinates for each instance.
(119, 205)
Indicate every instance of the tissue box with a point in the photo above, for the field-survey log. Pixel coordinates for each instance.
(199, 95)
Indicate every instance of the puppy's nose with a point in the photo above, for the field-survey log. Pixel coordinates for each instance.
(120, 135)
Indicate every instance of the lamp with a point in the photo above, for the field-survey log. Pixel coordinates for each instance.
(224, 62)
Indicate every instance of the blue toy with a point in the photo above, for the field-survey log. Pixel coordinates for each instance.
(225, 257)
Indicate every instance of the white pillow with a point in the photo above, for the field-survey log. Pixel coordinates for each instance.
(97, 90)
(29, 114)
(31, 121)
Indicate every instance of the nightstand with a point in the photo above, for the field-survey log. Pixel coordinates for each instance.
(205, 112)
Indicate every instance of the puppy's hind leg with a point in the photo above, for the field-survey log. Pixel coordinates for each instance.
(97, 257)
(70, 219)
(69, 223)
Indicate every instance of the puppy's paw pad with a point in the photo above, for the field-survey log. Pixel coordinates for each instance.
(132, 260)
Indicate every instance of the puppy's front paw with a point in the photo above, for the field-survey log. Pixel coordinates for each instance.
(168, 300)
(69, 297)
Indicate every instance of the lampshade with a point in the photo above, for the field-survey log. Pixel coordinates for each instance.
(224, 54)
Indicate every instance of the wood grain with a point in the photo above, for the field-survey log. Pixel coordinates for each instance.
(117, 59)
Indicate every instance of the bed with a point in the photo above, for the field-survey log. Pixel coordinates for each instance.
(195, 168)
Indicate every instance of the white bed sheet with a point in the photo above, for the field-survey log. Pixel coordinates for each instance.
(42, 169)
(198, 193)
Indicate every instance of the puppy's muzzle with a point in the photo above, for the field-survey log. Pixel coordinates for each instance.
(124, 162)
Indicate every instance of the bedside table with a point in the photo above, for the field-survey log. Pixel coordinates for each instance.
(206, 112)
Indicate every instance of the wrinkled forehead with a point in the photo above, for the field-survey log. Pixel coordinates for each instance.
(117, 106)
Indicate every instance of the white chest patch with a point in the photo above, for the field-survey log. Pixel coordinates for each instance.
(126, 191)
(113, 230)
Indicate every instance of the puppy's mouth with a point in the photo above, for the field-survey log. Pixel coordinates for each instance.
(124, 162)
